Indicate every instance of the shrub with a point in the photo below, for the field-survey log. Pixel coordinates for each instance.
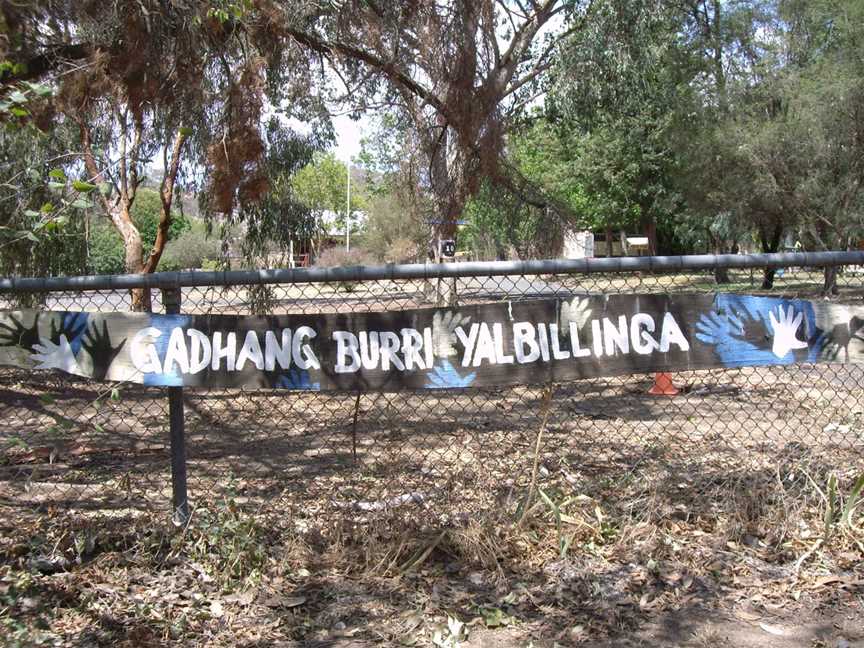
(212, 265)
(106, 254)
(145, 214)
(191, 249)
(402, 250)
(335, 257)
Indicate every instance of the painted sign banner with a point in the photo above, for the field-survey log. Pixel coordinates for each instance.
(504, 343)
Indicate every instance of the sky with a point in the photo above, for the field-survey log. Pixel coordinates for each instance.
(348, 134)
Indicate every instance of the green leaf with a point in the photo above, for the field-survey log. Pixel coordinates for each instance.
(19, 112)
(31, 236)
(55, 223)
(83, 187)
(38, 88)
(47, 208)
(185, 131)
(18, 97)
(57, 186)
(81, 203)
(31, 214)
(57, 174)
(115, 394)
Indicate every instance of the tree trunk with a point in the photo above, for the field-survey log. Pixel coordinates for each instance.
(829, 285)
(770, 243)
(721, 275)
(133, 253)
(651, 234)
(625, 249)
(446, 294)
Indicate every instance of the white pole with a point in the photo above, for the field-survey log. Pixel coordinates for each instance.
(348, 211)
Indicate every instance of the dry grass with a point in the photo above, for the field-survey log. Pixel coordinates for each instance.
(644, 521)
(609, 555)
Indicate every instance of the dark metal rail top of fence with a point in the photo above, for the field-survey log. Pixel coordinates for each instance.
(661, 264)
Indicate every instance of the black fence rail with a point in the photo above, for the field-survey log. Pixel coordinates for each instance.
(437, 456)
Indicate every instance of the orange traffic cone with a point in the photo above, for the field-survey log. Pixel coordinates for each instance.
(663, 385)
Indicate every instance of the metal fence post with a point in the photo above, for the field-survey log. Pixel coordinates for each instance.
(171, 298)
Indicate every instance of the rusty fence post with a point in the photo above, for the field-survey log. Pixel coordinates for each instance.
(171, 298)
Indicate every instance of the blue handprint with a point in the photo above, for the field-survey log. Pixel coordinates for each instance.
(296, 379)
(166, 324)
(750, 331)
(72, 325)
(445, 376)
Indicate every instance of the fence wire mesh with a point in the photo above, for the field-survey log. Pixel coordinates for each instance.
(436, 456)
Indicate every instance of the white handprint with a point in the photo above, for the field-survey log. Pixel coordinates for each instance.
(444, 327)
(575, 311)
(48, 355)
(785, 326)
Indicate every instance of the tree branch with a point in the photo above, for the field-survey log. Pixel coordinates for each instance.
(90, 163)
(388, 68)
(166, 196)
(134, 153)
(38, 66)
(123, 169)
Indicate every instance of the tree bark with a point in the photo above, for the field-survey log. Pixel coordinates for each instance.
(119, 211)
(134, 254)
(721, 275)
(829, 285)
(651, 234)
(770, 243)
(166, 196)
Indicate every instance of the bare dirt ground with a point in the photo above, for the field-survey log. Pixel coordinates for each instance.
(703, 519)
(597, 516)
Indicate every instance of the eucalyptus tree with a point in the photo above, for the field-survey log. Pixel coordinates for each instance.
(179, 86)
(618, 85)
(461, 72)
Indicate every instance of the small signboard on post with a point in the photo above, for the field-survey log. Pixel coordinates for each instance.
(448, 248)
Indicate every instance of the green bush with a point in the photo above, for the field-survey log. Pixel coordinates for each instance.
(145, 215)
(191, 249)
(106, 255)
(212, 265)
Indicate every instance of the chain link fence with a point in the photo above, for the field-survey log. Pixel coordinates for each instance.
(435, 456)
